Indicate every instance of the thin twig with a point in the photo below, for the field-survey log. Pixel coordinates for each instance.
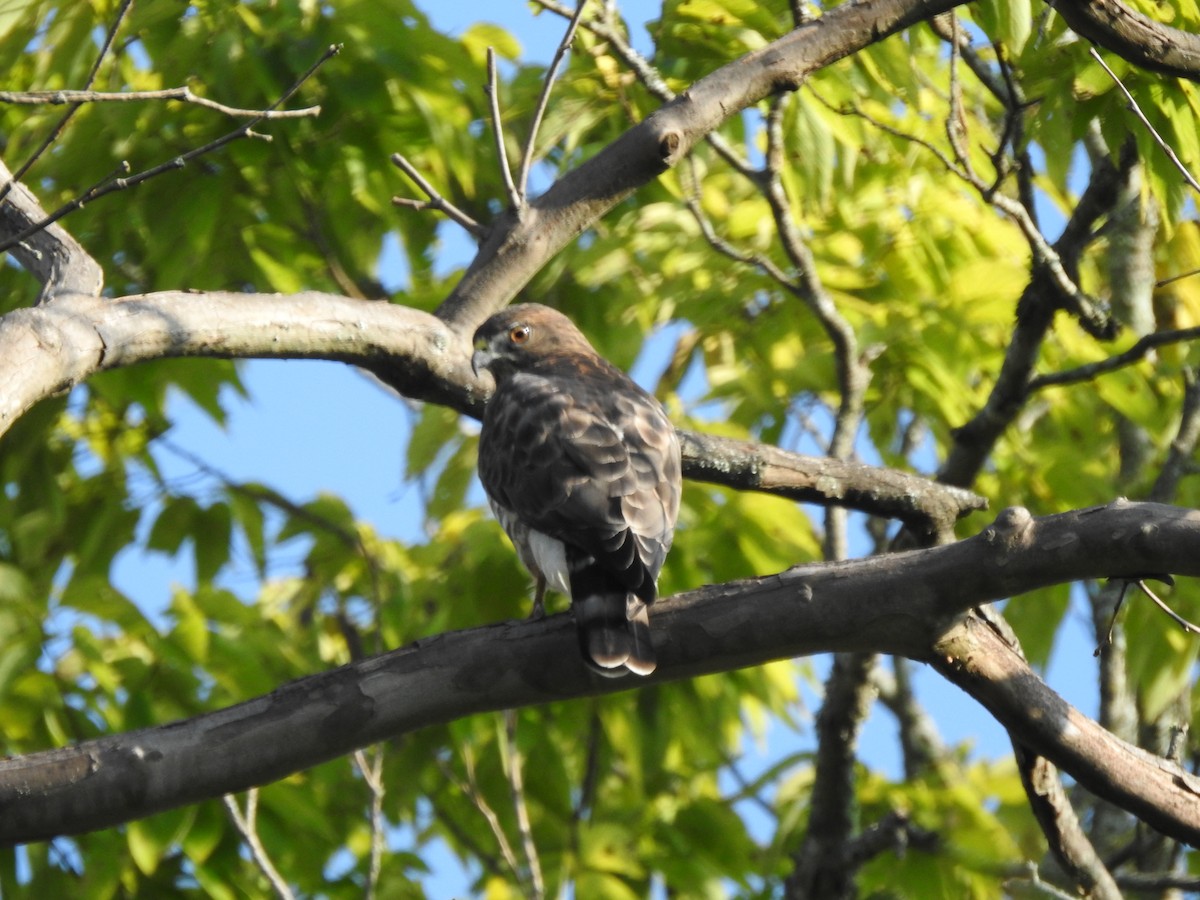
(470, 790)
(1135, 353)
(1178, 619)
(853, 372)
(920, 744)
(646, 73)
(516, 783)
(465, 836)
(544, 99)
(1014, 133)
(591, 771)
(722, 246)
(106, 46)
(436, 201)
(247, 826)
(350, 537)
(1163, 282)
(182, 94)
(119, 184)
(1137, 111)
(372, 774)
(748, 790)
(57, 130)
(1112, 622)
(492, 90)
(1183, 446)
(956, 124)
(1032, 883)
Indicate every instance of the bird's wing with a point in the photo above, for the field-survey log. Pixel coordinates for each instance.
(588, 458)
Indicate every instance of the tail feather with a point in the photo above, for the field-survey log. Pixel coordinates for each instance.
(603, 632)
(641, 659)
(614, 634)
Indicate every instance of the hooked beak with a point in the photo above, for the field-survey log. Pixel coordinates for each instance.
(481, 358)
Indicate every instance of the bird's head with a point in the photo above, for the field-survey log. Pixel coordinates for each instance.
(520, 336)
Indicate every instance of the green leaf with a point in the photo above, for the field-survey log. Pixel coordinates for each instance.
(435, 430)
(1007, 21)
(191, 627)
(248, 515)
(14, 12)
(174, 525)
(477, 38)
(280, 276)
(212, 532)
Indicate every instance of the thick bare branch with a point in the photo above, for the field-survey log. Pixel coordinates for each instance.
(50, 254)
(1157, 791)
(900, 603)
(823, 862)
(1133, 36)
(1068, 842)
(887, 492)
(52, 348)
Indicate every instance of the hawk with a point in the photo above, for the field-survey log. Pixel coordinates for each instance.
(582, 469)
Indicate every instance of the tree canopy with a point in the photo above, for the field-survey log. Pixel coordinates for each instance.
(917, 283)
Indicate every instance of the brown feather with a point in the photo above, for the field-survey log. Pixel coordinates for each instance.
(574, 450)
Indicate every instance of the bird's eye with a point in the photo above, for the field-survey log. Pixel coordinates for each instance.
(519, 334)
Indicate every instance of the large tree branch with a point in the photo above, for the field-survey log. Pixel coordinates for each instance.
(1133, 36)
(824, 866)
(54, 258)
(1070, 845)
(905, 603)
(53, 347)
(890, 493)
(1157, 791)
